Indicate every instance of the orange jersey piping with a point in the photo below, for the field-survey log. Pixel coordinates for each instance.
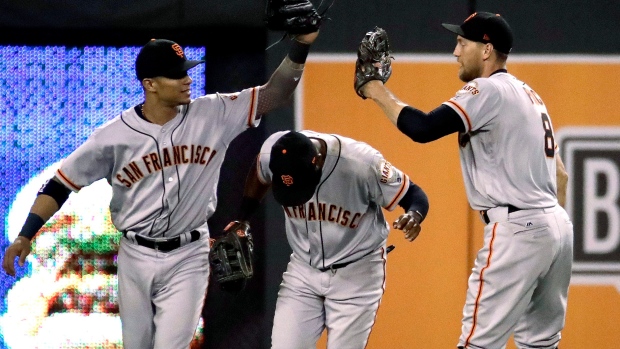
(383, 287)
(67, 180)
(463, 112)
(399, 195)
(251, 113)
(476, 306)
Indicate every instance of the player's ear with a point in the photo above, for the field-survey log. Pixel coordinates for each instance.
(488, 49)
(147, 84)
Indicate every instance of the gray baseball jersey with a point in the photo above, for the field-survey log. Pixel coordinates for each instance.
(520, 278)
(164, 180)
(342, 224)
(344, 220)
(514, 163)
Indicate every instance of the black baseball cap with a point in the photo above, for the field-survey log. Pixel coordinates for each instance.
(293, 163)
(485, 27)
(161, 57)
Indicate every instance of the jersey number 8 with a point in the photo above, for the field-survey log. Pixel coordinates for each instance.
(549, 141)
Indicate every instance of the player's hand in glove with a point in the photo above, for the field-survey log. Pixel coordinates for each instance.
(409, 223)
(292, 16)
(231, 257)
(19, 248)
(374, 60)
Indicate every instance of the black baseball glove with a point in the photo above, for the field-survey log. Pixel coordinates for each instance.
(292, 16)
(231, 257)
(374, 59)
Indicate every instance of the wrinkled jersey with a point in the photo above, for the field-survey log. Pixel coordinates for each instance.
(344, 219)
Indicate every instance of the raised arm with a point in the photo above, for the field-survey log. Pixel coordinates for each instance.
(280, 87)
(384, 98)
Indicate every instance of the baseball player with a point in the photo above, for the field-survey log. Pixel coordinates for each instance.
(514, 176)
(331, 189)
(162, 159)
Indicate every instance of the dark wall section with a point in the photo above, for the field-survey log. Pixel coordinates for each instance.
(551, 26)
(572, 26)
(130, 14)
(236, 320)
(415, 26)
(411, 25)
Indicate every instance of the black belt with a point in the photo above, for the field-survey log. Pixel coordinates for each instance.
(337, 266)
(342, 265)
(486, 219)
(164, 245)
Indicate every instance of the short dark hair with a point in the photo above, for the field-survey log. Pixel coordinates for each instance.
(501, 56)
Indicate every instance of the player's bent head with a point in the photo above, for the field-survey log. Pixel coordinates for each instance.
(161, 57)
(294, 164)
(486, 27)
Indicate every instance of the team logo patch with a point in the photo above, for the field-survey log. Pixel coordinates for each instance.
(470, 88)
(592, 159)
(388, 173)
(287, 180)
(232, 96)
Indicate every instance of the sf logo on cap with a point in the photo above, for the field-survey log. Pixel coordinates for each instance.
(287, 180)
(177, 48)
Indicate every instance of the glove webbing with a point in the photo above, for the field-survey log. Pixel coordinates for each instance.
(320, 14)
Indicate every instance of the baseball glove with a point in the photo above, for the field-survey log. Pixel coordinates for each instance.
(292, 16)
(374, 59)
(231, 257)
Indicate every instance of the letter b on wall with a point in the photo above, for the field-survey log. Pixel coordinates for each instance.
(592, 159)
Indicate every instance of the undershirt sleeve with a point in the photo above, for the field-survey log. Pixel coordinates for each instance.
(422, 127)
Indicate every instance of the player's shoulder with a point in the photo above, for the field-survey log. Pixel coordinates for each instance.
(223, 97)
(112, 126)
(482, 88)
(356, 151)
(478, 85)
(500, 80)
(365, 160)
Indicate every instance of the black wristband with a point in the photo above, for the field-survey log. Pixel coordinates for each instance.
(415, 200)
(32, 225)
(298, 52)
(248, 207)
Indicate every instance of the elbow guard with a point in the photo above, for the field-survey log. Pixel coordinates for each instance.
(56, 190)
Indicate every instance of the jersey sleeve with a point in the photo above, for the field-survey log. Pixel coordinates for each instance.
(476, 103)
(241, 107)
(229, 114)
(86, 165)
(387, 184)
